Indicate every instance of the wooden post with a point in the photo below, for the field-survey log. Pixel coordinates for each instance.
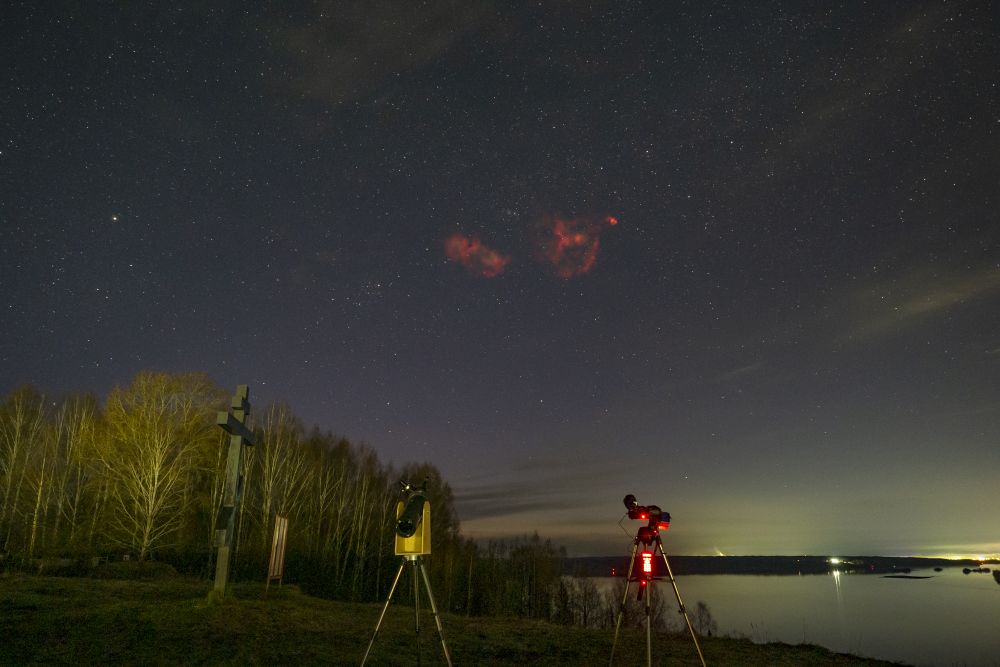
(234, 423)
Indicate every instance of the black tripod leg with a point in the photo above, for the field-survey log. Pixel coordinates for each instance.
(384, 609)
(680, 603)
(621, 609)
(434, 610)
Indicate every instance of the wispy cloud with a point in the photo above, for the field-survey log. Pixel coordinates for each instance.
(854, 87)
(740, 372)
(343, 51)
(894, 305)
(535, 485)
(508, 499)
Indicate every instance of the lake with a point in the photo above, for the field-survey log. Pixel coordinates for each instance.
(949, 619)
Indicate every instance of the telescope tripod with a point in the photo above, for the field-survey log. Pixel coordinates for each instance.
(651, 537)
(416, 564)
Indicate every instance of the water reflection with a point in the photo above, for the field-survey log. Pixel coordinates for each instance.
(915, 621)
(840, 592)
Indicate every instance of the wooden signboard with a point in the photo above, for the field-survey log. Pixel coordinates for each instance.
(276, 566)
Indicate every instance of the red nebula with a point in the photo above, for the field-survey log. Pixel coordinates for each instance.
(475, 256)
(571, 245)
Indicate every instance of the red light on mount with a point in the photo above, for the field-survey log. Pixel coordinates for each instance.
(647, 562)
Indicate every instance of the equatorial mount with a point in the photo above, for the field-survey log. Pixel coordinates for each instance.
(649, 536)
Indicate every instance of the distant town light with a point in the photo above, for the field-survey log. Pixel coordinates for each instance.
(835, 561)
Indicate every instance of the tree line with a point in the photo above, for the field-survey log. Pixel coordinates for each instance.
(141, 476)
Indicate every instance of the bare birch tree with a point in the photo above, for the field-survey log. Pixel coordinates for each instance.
(75, 430)
(155, 427)
(280, 473)
(21, 420)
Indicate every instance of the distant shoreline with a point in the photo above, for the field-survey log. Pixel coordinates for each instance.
(602, 566)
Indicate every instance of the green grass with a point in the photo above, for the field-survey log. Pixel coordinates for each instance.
(58, 620)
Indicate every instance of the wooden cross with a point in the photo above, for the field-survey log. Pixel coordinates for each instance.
(234, 423)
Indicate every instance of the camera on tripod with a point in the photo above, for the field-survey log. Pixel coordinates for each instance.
(658, 519)
(649, 536)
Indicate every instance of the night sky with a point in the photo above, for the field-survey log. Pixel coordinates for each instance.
(739, 259)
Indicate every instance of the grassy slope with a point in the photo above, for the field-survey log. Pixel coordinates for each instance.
(85, 621)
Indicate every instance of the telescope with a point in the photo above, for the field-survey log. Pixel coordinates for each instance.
(413, 540)
(413, 511)
(657, 518)
(649, 536)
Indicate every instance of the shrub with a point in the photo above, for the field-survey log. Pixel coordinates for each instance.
(134, 570)
(703, 622)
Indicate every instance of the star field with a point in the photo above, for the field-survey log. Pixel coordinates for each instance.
(394, 217)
